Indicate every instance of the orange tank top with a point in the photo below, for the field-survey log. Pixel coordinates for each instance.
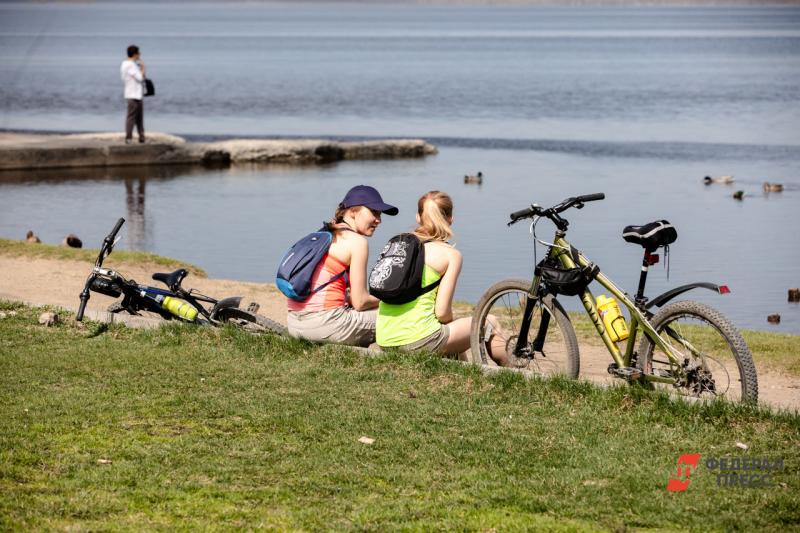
(332, 295)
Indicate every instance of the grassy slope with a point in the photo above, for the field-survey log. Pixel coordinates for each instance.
(218, 429)
(48, 251)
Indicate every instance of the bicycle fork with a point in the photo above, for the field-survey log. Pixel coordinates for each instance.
(527, 317)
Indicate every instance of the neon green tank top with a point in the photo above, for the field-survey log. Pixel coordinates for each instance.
(398, 325)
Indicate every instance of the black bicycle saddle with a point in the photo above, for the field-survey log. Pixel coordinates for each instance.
(173, 280)
(651, 236)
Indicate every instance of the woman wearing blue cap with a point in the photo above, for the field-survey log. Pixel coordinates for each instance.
(341, 309)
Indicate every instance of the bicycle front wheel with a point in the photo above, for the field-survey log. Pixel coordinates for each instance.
(714, 360)
(499, 315)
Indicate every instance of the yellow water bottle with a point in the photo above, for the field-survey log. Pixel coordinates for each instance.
(178, 307)
(612, 318)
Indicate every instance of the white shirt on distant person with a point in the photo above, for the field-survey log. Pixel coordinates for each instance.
(131, 74)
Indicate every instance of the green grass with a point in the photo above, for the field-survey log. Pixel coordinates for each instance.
(771, 351)
(49, 251)
(218, 429)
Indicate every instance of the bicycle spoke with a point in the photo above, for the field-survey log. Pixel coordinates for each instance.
(710, 365)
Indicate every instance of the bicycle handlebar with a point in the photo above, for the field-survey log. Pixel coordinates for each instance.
(105, 250)
(591, 197)
(523, 213)
(108, 243)
(552, 212)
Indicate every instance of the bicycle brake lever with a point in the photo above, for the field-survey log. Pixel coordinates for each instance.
(578, 206)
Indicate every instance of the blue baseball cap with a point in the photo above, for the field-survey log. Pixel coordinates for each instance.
(368, 197)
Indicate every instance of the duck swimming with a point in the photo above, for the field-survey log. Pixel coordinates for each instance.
(773, 187)
(478, 178)
(727, 180)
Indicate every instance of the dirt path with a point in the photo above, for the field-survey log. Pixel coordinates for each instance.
(57, 282)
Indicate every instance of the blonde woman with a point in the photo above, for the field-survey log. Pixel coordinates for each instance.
(427, 323)
(341, 310)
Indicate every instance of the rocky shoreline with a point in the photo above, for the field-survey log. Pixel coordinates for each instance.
(19, 151)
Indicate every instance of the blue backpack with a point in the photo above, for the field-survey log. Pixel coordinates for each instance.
(299, 263)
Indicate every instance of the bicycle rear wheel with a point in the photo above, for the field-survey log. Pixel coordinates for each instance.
(505, 302)
(250, 321)
(716, 360)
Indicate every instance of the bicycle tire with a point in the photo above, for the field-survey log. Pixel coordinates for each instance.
(717, 355)
(560, 355)
(250, 321)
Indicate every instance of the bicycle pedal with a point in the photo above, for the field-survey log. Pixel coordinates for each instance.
(628, 372)
(253, 307)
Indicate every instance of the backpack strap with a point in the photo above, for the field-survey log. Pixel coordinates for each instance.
(341, 274)
(436, 283)
(430, 287)
(327, 226)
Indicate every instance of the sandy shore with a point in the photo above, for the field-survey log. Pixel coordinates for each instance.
(21, 151)
(59, 282)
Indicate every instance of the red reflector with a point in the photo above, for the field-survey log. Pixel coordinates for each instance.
(723, 289)
(652, 259)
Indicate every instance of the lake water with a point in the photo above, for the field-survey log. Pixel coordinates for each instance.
(639, 103)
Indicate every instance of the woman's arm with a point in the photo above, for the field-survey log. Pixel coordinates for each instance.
(360, 299)
(447, 287)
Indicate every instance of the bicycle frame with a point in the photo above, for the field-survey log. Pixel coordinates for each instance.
(138, 296)
(637, 321)
(144, 296)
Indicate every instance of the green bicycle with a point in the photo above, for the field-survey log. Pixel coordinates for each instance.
(686, 346)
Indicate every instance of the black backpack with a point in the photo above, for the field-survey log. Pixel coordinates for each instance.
(396, 277)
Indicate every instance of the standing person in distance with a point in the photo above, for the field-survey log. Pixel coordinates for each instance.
(132, 72)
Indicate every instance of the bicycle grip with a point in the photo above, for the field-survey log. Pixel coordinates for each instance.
(516, 215)
(114, 231)
(81, 309)
(84, 297)
(591, 197)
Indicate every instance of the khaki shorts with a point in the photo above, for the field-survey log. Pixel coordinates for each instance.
(343, 325)
(435, 342)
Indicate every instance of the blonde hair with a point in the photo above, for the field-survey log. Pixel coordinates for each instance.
(435, 210)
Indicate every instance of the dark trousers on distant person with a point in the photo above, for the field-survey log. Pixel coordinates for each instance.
(135, 116)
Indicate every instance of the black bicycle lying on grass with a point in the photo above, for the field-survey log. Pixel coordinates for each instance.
(174, 302)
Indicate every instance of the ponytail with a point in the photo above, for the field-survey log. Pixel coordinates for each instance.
(435, 210)
(338, 215)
